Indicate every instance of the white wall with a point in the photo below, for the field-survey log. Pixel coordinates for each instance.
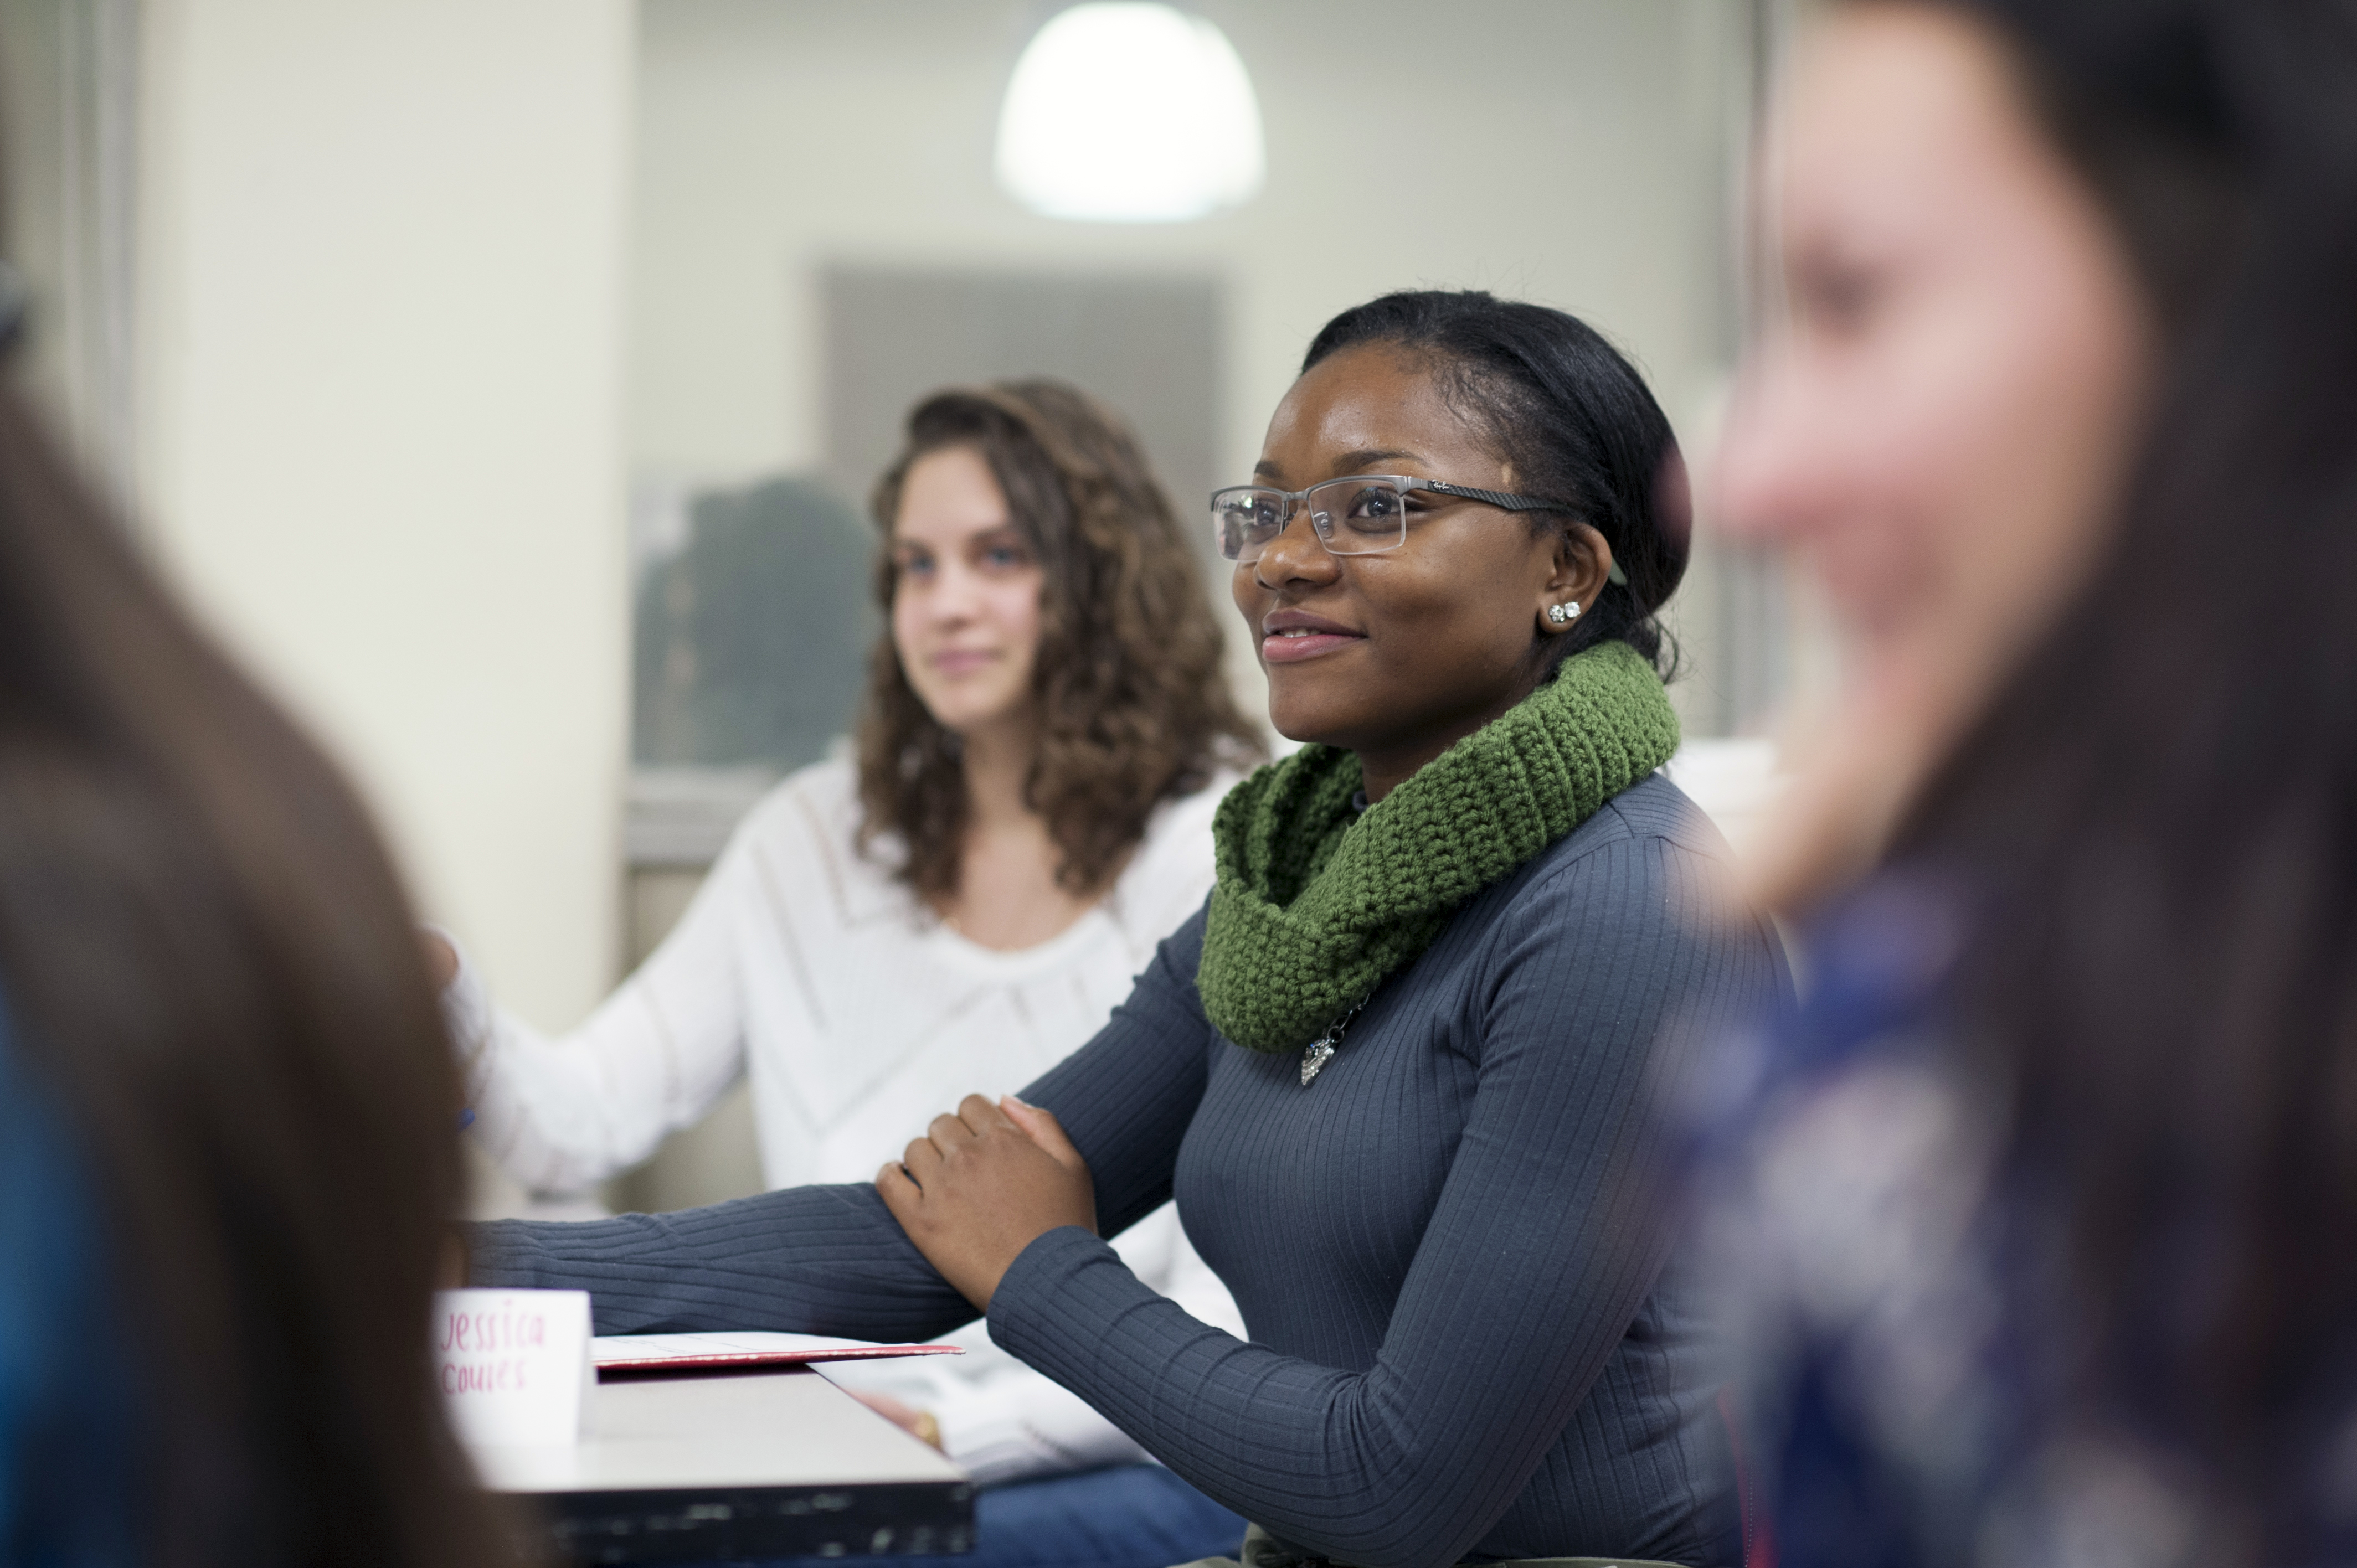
(1570, 151)
(1564, 150)
(381, 276)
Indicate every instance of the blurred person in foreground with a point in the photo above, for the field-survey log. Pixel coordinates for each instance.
(228, 1147)
(2042, 1221)
(1044, 736)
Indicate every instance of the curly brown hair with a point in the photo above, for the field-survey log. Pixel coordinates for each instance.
(1133, 708)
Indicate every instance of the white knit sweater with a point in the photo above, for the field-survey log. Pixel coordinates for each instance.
(858, 1017)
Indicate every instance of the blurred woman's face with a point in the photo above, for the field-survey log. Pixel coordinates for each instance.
(1940, 427)
(965, 601)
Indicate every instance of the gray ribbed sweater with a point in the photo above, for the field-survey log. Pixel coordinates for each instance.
(1468, 1332)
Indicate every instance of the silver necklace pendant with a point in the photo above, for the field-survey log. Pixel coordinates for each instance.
(1321, 1051)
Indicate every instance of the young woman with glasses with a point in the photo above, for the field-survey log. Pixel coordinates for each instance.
(1402, 1070)
(1044, 736)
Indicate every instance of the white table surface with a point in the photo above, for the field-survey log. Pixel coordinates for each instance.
(786, 1427)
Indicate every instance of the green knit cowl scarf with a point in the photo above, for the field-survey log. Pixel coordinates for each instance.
(1315, 905)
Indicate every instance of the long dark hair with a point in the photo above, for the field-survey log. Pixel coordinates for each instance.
(1576, 422)
(1132, 707)
(2161, 810)
(209, 966)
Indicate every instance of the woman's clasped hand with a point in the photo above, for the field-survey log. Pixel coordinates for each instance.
(984, 1184)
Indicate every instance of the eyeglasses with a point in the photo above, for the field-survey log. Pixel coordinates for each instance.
(1366, 514)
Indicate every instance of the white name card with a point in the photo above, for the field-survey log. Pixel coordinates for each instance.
(513, 1365)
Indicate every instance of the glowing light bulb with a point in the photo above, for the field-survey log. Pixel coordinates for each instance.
(1125, 112)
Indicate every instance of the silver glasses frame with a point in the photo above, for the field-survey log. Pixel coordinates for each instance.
(1326, 526)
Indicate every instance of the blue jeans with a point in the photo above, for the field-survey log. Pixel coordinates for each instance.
(1133, 1516)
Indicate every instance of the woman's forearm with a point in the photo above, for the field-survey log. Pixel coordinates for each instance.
(561, 1114)
(808, 1259)
(832, 1260)
(1507, 1345)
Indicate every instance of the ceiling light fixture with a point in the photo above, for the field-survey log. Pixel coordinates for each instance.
(1125, 112)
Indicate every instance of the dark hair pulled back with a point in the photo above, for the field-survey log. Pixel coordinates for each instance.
(1574, 421)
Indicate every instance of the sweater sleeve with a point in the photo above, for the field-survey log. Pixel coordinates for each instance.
(1543, 1247)
(832, 1260)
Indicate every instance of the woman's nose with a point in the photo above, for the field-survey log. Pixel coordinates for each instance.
(1760, 476)
(1295, 555)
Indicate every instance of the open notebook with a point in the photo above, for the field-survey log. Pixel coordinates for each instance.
(644, 1353)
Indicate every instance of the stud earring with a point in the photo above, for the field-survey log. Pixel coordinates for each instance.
(1563, 615)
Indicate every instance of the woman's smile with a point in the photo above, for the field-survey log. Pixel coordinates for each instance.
(1288, 636)
(953, 663)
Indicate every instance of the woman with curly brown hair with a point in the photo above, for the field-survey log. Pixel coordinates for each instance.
(1044, 736)
(1052, 673)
